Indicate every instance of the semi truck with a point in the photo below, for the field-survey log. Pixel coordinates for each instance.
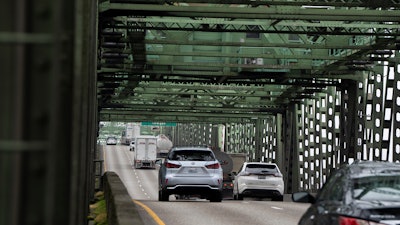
(230, 162)
(145, 152)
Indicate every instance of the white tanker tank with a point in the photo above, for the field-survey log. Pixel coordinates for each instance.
(163, 145)
(230, 162)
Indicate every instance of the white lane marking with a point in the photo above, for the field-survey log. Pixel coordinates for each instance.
(136, 175)
(278, 208)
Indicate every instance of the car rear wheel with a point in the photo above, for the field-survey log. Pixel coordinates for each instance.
(216, 197)
(278, 198)
(238, 196)
(163, 196)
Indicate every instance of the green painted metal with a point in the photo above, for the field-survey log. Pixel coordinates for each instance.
(280, 75)
(166, 124)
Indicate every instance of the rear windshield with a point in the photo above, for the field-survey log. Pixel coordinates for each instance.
(191, 155)
(377, 188)
(260, 168)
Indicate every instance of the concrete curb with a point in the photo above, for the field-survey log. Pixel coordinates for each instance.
(120, 208)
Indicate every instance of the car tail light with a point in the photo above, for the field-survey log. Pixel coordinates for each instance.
(213, 166)
(230, 185)
(354, 221)
(172, 165)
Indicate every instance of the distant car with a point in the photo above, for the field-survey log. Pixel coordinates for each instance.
(365, 192)
(132, 146)
(111, 141)
(258, 179)
(189, 171)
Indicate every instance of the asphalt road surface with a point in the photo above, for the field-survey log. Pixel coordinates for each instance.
(142, 187)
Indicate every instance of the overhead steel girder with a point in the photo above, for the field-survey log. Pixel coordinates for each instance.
(270, 13)
(204, 106)
(199, 66)
(238, 55)
(248, 78)
(322, 3)
(138, 28)
(183, 97)
(310, 28)
(390, 46)
(181, 117)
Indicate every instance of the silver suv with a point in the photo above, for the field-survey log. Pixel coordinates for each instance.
(189, 171)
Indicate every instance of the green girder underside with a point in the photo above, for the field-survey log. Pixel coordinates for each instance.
(220, 61)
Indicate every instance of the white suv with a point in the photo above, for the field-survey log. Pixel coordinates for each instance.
(258, 179)
(190, 171)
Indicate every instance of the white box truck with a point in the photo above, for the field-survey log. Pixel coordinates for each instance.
(129, 133)
(145, 152)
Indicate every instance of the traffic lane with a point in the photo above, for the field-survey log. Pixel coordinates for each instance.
(138, 182)
(231, 212)
(142, 185)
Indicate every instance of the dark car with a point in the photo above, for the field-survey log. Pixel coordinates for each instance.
(363, 193)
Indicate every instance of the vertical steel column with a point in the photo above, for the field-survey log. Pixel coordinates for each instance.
(280, 154)
(28, 40)
(396, 107)
(347, 115)
(45, 166)
(331, 137)
(360, 118)
(377, 115)
(387, 113)
(257, 140)
(293, 155)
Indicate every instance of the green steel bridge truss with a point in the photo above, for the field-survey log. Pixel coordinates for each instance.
(307, 84)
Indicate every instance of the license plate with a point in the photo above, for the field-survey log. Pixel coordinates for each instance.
(192, 170)
(261, 177)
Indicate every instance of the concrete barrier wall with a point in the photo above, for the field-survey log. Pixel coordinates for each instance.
(120, 208)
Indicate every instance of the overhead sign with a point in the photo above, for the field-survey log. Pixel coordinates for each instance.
(165, 124)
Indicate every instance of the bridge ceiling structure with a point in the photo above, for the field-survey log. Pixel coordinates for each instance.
(230, 61)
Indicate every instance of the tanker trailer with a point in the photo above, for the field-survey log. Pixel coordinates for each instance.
(230, 162)
(163, 145)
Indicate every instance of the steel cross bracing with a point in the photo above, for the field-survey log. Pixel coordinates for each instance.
(228, 61)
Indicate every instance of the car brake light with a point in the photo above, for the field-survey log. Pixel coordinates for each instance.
(354, 221)
(213, 166)
(230, 185)
(171, 165)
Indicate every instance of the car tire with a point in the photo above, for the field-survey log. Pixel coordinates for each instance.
(239, 197)
(163, 196)
(278, 198)
(216, 197)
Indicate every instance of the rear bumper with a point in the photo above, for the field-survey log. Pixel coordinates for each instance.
(193, 190)
(193, 185)
(261, 193)
(145, 164)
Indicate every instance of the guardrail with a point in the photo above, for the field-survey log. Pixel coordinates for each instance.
(120, 208)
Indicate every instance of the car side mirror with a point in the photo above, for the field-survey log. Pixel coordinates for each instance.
(303, 197)
(159, 162)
